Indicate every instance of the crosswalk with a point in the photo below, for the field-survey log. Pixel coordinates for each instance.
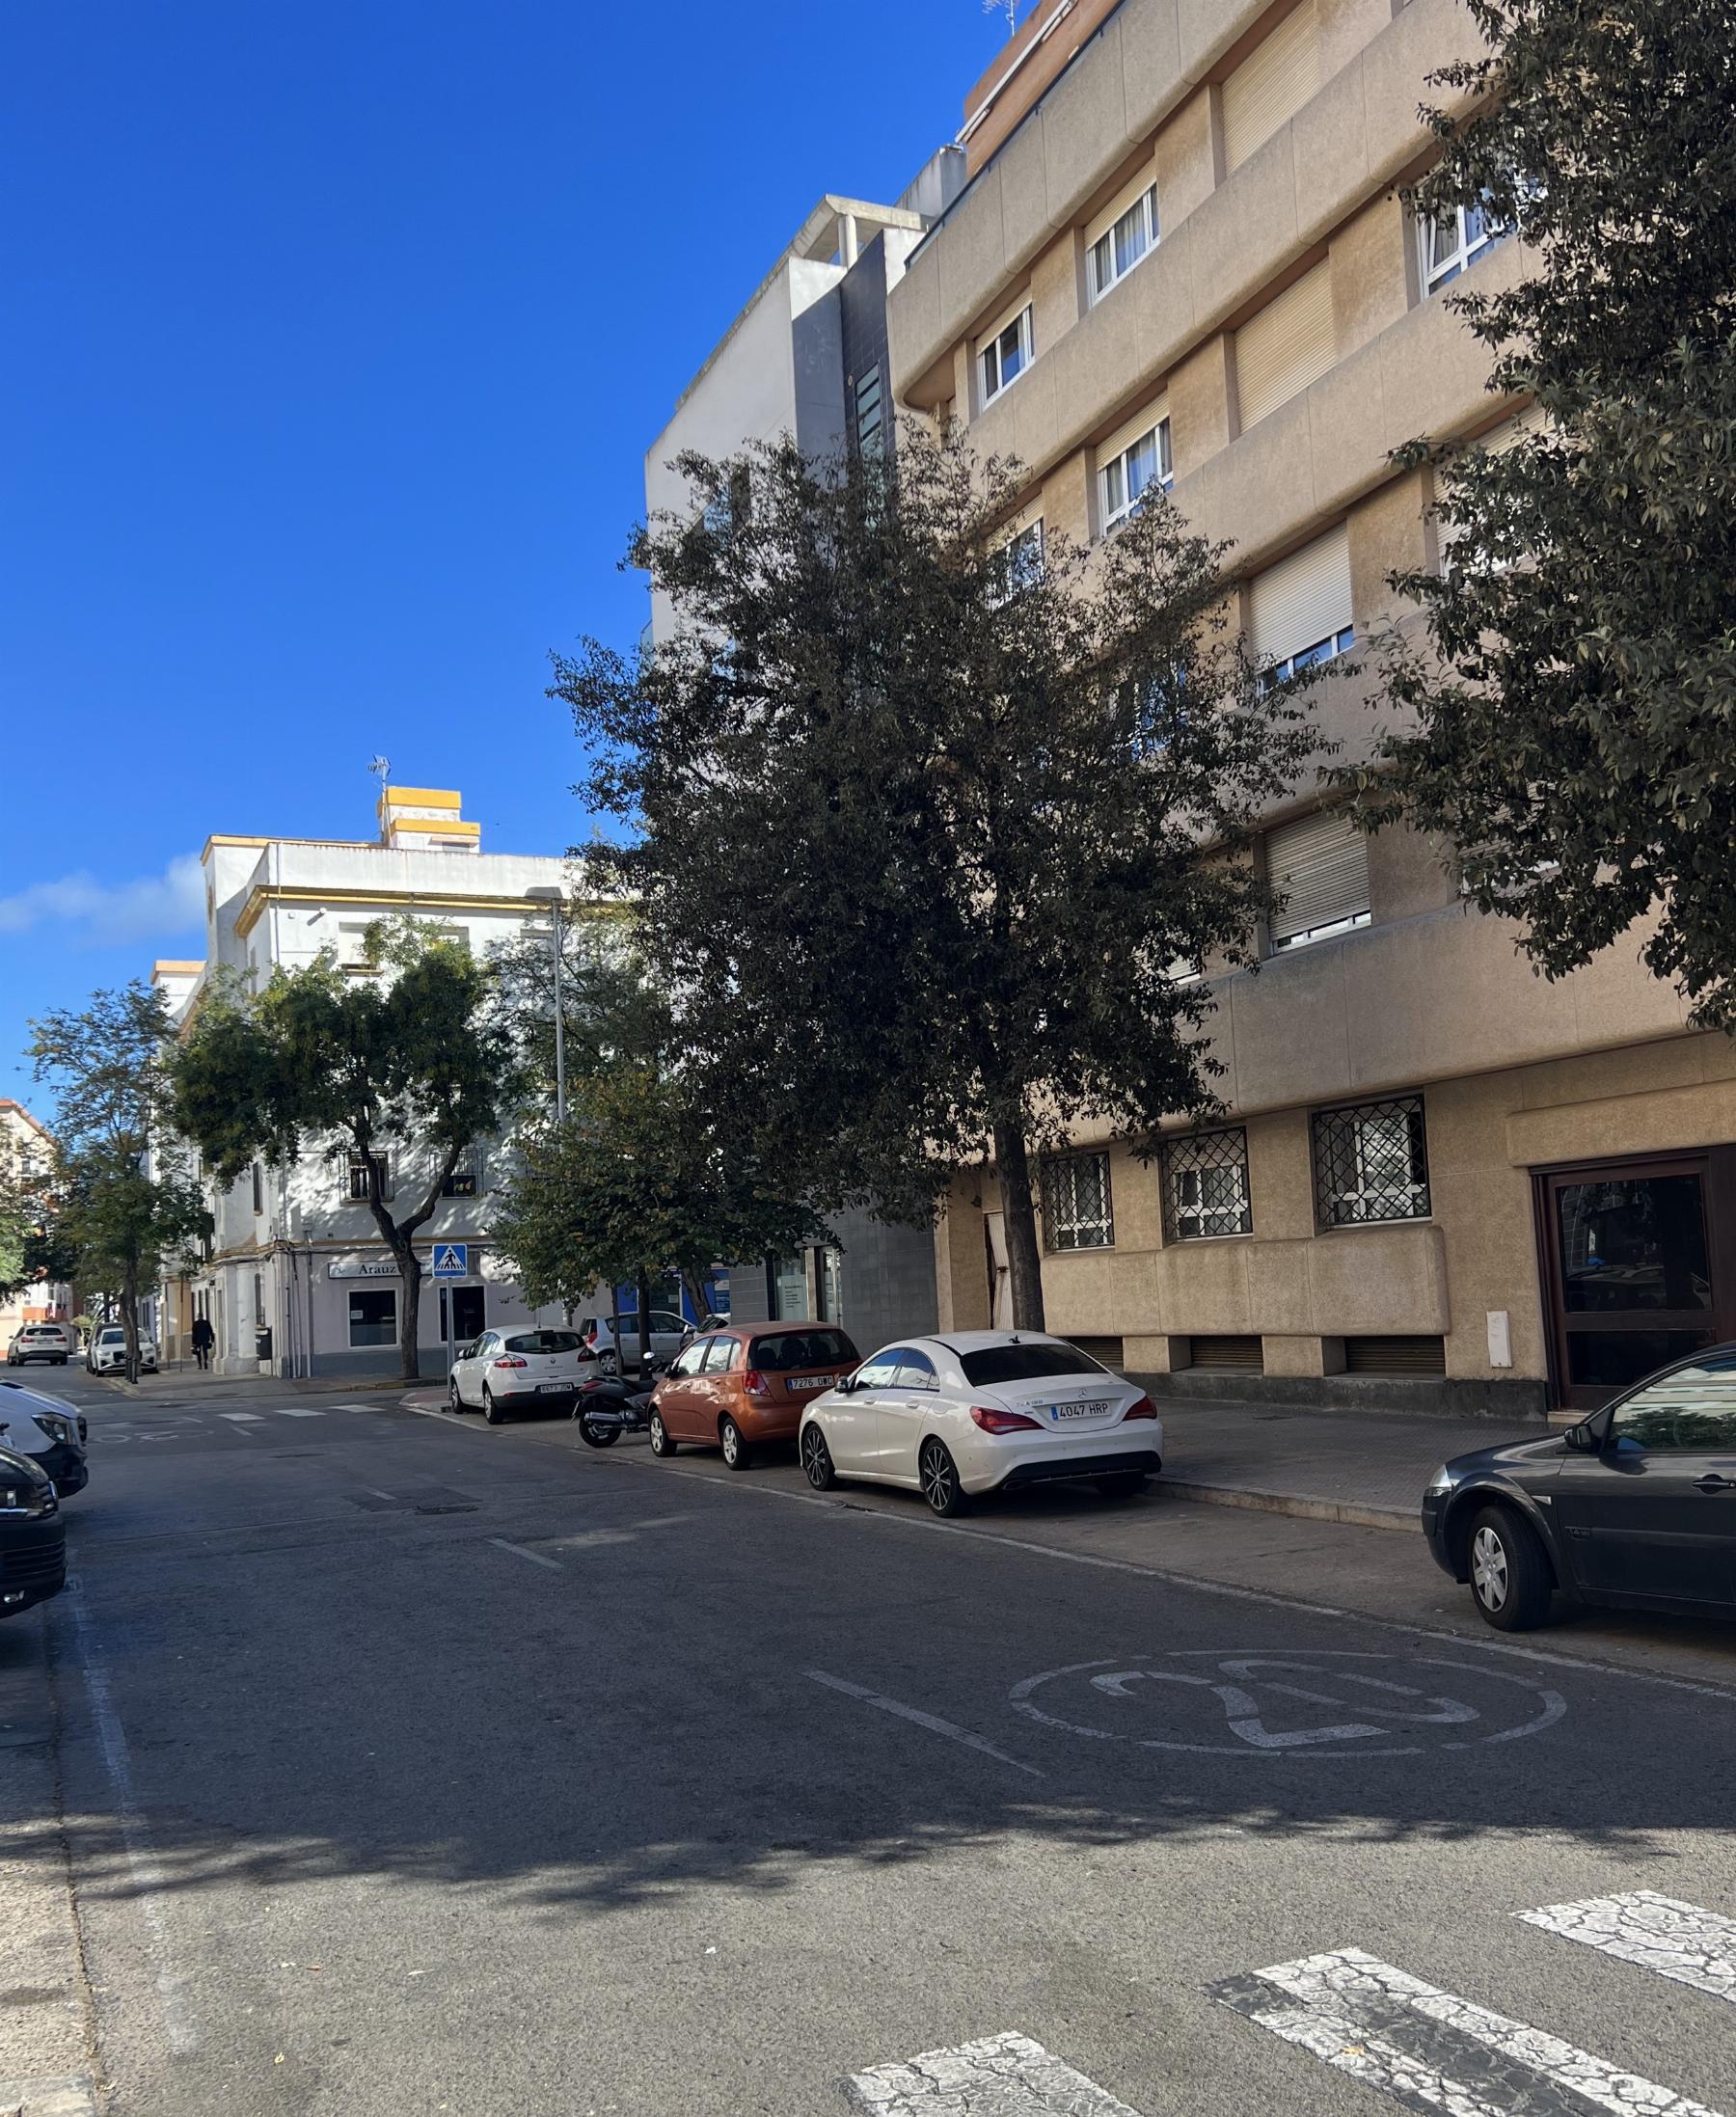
(1420, 2047)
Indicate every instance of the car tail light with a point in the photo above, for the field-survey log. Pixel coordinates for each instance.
(1003, 1421)
(1141, 1408)
(510, 1360)
(756, 1383)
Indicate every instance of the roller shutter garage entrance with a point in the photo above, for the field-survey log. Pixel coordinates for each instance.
(1638, 1264)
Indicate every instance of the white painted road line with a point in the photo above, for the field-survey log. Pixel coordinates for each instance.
(298, 1411)
(1429, 2050)
(997, 2076)
(244, 1417)
(921, 1719)
(1658, 1932)
(535, 1556)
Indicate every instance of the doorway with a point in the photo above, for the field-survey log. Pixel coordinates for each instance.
(1636, 1261)
(1000, 1275)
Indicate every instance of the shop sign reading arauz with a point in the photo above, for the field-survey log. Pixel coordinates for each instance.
(349, 1267)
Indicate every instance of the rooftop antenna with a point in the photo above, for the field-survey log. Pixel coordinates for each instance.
(1008, 7)
(381, 767)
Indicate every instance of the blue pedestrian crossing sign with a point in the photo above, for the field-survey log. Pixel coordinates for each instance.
(451, 1260)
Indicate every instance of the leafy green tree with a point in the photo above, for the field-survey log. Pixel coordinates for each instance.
(978, 815)
(1566, 723)
(326, 1063)
(124, 1205)
(654, 1170)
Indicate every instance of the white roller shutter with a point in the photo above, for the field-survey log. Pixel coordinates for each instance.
(1320, 866)
(1133, 429)
(1533, 419)
(1290, 343)
(1271, 84)
(1304, 599)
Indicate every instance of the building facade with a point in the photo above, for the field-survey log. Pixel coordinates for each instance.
(26, 1149)
(809, 357)
(297, 1279)
(1183, 258)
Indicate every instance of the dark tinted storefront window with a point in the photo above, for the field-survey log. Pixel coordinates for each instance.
(1633, 1242)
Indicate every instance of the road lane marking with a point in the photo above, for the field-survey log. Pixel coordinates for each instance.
(535, 1558)
(1658, 1932)
(921, 1719)
(244, 1417)
(378, 1494)
(298, 1411)
(150, 1881)
(1007, 2075)
(1432, 2050)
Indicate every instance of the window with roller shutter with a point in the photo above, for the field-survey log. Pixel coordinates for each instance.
(1290, 343)
(1132, 460)
(1319, 869)
(1299, 611)
(1273, 83)
(1457, 556)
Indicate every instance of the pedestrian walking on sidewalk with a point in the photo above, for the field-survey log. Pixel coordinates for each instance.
(203, 1338)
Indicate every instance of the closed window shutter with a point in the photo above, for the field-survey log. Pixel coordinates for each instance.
(1533, 419)
(1288, 344)
(1271, 84)
(1319, 865)
(1304, 599)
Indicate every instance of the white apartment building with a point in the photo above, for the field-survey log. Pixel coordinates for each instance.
(25, 1149)
(297, 1279)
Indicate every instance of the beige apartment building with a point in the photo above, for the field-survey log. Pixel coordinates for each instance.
(1181, 257)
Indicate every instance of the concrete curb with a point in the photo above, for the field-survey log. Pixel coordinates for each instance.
(1299, 1506)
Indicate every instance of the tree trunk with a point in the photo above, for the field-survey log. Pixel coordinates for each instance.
(699, 1295)
(129, 1317)
(409, 1275)
(1018, 1208)
(642, 1287)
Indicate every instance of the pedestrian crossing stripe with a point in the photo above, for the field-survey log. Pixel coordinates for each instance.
(1658, 1932)
(1006, 2075)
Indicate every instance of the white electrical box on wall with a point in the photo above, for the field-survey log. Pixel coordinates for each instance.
(1500, 1339)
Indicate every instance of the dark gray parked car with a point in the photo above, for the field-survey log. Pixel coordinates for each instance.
(1634, 1506)
(33, 1535)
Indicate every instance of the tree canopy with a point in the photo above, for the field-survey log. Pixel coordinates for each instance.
(930, 832)
(1567, 722)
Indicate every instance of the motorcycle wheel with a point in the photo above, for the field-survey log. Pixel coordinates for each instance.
(598, 1436)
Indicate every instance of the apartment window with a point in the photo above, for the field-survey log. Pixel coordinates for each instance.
(1130, 463)
(1453, 241)
(1299, 611)
(1205, 1186)
(1005, 355)
(373, 1316)
(1118, 239)
(1075, 1203)
(1370, 1163)
(1319, 867)
(870, 416)
(358, 1176)
(1456, 554)
(466, 1179)
(258, 1280)
(258, 1188)
(1019, 560)
(1284, 346)
(1273, 83)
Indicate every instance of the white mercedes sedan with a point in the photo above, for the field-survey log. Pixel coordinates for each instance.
(982, 1411)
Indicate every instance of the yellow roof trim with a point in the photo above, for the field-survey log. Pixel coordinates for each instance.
(173, 967)
(225, 838)
(448, 827)
(420, 798)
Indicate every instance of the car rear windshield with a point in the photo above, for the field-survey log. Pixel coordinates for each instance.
(789, 1352)
(546, 1341)
(1025, 1364)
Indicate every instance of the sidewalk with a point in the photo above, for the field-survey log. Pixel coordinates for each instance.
(1321, 1466)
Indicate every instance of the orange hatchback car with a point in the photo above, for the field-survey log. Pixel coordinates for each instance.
(739, 1387)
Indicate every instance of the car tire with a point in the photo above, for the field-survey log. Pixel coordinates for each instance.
(661, 1442)
(940, 1486)
(454, 1402)
(1511, 1580)
(491, 1411)
(1122, 1484)
(816, 1459)
(734, 1443)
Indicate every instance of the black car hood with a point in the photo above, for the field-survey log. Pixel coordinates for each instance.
(13, 1462)
(1511, 1457)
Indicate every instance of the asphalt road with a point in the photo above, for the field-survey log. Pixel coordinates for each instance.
(413, 1767)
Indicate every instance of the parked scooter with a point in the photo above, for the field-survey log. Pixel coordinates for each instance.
(609, 1405)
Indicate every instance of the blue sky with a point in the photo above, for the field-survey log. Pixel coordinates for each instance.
(335, 331)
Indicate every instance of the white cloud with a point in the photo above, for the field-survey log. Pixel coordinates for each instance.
(152, 908)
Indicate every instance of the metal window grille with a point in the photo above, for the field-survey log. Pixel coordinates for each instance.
(464, 1181)
(1370, 1163)
(357, 1177)
(1075, 1203)
(1205, 1186)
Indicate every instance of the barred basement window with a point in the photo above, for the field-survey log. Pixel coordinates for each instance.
(1370, 1163)
(1075, 1203)
(1205, 1186)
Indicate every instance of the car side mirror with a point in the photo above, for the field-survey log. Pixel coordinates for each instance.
(1586, 1438)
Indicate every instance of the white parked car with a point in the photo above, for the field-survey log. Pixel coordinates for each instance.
(982, 1411)
(507, 1371)
(52, 1342)
(106, 1353)
(669, 1333)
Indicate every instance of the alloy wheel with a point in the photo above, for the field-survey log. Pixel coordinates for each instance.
(1489, 1569)
(816, 1459)
(940, 1479)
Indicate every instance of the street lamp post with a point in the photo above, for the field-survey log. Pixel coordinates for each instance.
(549, 893)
